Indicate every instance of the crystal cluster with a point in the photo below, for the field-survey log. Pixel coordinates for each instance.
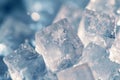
(98, 60)
(64, 40)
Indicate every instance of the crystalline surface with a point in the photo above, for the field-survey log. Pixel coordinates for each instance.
(96, 26)
(99, 23)
(59, 45)
(115, 50)
(81, 72)
(25, 64)
(101, 66)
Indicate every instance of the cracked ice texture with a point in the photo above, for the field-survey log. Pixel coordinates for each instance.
(97, 27)
(25, 64)
(97, 58)
(59, 45)
(81, 72)
(115, 50)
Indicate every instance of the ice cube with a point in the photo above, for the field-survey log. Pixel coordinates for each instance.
(98, 60)
(59, 45)
(81, 72)
(97, 27)
(115, 50)
(25, 64)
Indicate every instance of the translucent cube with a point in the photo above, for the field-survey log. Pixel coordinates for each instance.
(59, 45)
(81, 72)
(25, 64)
(98, 60)
(98, 27)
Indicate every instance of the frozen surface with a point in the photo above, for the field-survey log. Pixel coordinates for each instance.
(25, 64)
(98, 60)
(59, 45)
(97, 27)
(81, 72)
(115, 50)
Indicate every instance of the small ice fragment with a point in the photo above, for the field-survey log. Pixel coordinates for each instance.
(25, 64)
(81, 72)
(59, 45)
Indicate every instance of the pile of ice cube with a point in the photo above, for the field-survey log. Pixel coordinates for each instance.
(82, 42)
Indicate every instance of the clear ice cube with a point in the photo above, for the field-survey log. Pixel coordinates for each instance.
(81, 72)
(98, 60)
(59, 45)
(97, 27)
(25, 64)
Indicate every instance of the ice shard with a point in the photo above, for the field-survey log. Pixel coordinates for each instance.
(81, 72)
(25, 64)
(59, 45)
(98, 59)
